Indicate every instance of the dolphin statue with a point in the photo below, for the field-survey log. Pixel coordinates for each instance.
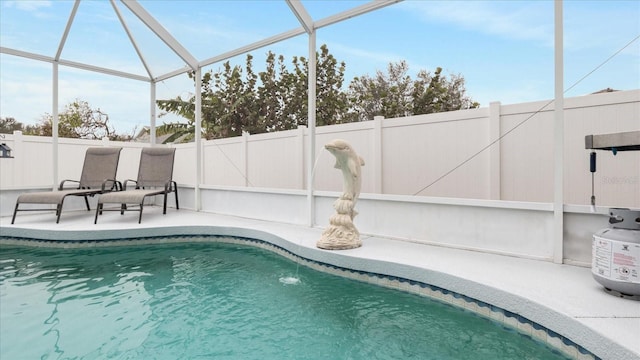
(349, 162)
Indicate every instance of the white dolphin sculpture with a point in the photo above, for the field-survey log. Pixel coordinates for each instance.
(341, 233)
(349, 162)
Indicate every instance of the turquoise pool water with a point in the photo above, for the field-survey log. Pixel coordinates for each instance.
(223, 301)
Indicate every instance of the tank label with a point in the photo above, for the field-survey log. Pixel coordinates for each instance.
(616, 260)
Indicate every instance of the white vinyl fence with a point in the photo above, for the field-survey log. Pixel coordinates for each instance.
(500, 152)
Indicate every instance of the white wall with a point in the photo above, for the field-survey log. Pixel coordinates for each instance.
(521, 229)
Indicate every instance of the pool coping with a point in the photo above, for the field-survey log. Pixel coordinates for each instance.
(376, 262)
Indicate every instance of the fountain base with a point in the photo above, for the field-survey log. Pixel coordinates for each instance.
(341, 233)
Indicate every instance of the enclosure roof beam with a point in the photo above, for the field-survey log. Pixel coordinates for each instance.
(67, 29)
(162, 33)
(25, 54)
(356, 11)
(73, 64)
(169, 75)
(301, 13)
(131, 38)
(103, 70)
(368, 7)
(254, 46)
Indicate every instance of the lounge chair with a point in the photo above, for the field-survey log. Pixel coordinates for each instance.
(97, 177)
(155, 177)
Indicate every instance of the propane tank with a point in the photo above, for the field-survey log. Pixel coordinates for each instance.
(616, 254)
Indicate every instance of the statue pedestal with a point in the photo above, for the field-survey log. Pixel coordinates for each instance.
(341, 233)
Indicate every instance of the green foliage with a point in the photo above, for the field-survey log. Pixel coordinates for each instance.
(437, 93)
(8, 125)
(78, 120)
(236, 99)
(332, 103)
(233, 100)
(395, 94)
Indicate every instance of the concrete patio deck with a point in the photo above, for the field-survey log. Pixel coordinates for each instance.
(561, 298)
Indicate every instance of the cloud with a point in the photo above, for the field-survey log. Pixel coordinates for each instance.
(516, 20)
(27, 5)
(372, 55)
(607, 26)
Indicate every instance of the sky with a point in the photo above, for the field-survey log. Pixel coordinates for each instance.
(503, 49)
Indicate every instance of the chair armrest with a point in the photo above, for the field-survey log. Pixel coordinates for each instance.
(168, 188)
(114, 184)
(124, 186)
(61, 187)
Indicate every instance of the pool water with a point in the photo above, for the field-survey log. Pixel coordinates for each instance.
(223, 301)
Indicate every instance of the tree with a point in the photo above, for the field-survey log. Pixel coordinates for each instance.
(8, 125)
(385, 95)
(332, 104)
(435, 93)
(283, 94)
(395, 94)
(78, 120)
(234, 101)
(277, 95)
(227, 103)
(184, 108)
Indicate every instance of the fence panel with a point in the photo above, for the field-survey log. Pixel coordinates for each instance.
(276, 161)
(414, 158)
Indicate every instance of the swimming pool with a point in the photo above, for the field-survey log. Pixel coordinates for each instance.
(213, 300)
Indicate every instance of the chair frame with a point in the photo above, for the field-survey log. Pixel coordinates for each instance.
(169, 187)
(63, 192)
(140, 193)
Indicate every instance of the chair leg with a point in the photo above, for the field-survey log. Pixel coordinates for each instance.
(15, 211)
(98, 211)
(86, 201)
(59, 211)
(140, 216)
(123, 207)
(164, 207)
(175, 189)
